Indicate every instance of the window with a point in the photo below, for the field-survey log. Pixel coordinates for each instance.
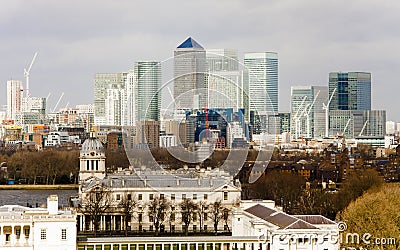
(129, 197)
(225, 196)
(151, 196)
(151, 218)
(140, 197)
(172, 196)
(42, 234)
(172, 218)
(63, 234)
(18, 233)
(194, 228)
(26, 232)
(140, 217)
(118, 197)
(205, 196)
(151, 228)
(183, 196)
(194, 217)
(172, 228)
(205, 227)
(162, 196)
(172, 208)
(194, 196)
(205, 216)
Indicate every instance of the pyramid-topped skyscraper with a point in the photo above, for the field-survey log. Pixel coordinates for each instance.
(189, 75)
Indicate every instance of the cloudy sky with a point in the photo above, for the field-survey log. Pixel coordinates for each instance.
(75, 39)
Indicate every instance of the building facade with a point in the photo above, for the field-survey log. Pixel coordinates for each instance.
(190, 88)
(261, 85)
(147, 90)
(37, 228)
(350, 90)
(14, 98)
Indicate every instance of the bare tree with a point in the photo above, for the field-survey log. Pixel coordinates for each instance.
(188, 208)
(158, 208)
(96, 203)
(201, 210)
(216, 214)
(127, 206)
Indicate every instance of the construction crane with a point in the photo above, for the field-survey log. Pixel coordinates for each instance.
(58, 102)
(26, 74)
(326, 108)
(307, 115)
(296, 117)
(362, 130)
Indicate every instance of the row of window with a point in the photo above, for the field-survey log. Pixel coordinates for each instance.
(43, 234)
(162, 196)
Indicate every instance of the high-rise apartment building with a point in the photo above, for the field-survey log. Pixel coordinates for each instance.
(107, 86)
(351, 90)
(190, 89)
(147, 90)
(261, 84)
(14, 98)
(307, 115)
(224, 79)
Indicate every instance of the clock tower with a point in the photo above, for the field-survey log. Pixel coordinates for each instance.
(92, 159)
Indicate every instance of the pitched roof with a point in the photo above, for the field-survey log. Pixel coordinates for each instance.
(315, 219)
(190, 43)
(280, 219)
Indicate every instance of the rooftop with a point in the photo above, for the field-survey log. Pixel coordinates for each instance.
(190, 43)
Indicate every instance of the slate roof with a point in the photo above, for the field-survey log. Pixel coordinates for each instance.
(278, 218)
(315, 219)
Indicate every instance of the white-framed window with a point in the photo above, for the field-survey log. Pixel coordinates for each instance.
(194, 196)
(63, 233)
(43, 234)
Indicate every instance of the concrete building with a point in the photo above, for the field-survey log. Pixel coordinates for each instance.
(190, 88)
(307, 115)
(37, 228)
(357, 123)
(390, 127)
(147, 132)
(108, 88)
(352, 90)
(14, 98)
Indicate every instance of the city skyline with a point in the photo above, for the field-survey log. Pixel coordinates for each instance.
(311, 39)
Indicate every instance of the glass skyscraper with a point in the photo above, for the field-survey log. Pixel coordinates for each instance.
(353, 91)
(147, 89)
(262, 81)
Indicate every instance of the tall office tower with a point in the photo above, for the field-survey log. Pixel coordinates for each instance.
(307, 115)
(14, 98)
(353, 91)
(147, 90)
(262, 81)
(103, 82)
(190, 89)
(114, 107)
(224, 79)
(390, 127)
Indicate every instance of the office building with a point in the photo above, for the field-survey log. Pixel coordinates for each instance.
(190, 89)
(107, 89)
(358, 123)
(224, 79)
(14, 98)
(351, 91)
(147, 90)
(390, 127)
(261, 84)
(307, 115)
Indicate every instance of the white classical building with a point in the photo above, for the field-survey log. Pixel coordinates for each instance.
(27, 228)
(278, 230)
(202, 186)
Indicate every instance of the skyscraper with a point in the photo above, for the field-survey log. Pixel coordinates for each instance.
(189, 73)
(262, 81)
(307, 115)
(147, 89)
(352, 91)
(106, 86)
(14, 98)
(224, 80)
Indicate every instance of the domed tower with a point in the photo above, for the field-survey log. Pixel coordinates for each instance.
(92, 159)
